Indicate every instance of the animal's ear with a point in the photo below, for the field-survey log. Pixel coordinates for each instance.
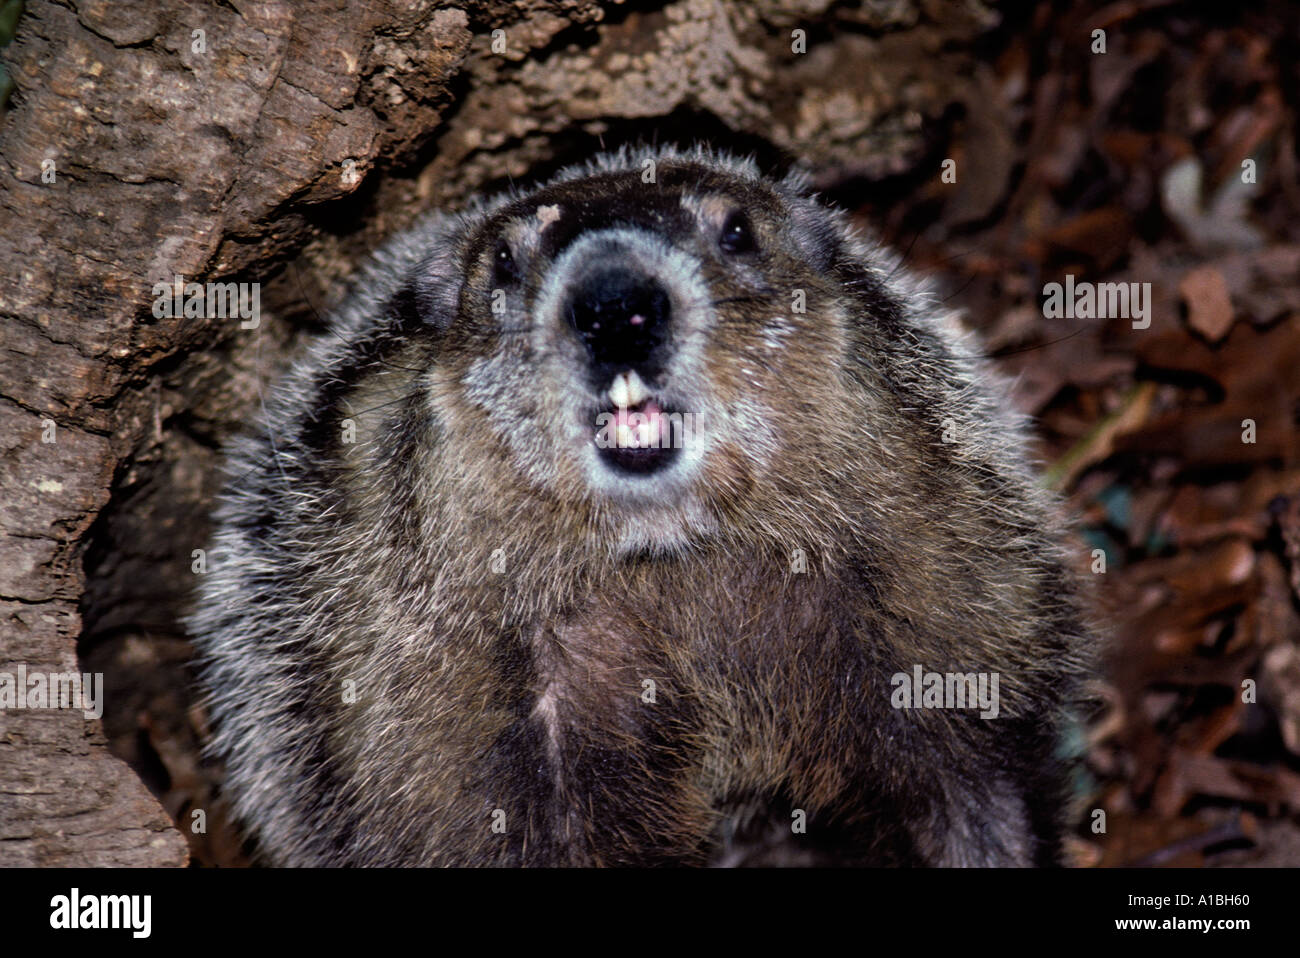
(816, 228)
(430, 292)
(425, 302)
(817, 231)
(434, 291)
(409, 311)
(797, 183)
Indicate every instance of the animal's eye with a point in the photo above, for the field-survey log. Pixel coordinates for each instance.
(504, 269)
(737, 235)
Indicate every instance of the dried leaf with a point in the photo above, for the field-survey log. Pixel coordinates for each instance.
(1209, 309)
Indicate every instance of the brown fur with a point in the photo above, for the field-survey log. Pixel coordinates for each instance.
(499, 619)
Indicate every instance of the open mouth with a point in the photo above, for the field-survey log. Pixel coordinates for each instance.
(635, 433)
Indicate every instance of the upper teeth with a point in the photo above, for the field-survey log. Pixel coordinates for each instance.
(627, 389)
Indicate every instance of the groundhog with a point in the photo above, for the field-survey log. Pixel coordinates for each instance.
(650, 516)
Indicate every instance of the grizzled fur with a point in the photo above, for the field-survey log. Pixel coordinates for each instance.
(455, 620)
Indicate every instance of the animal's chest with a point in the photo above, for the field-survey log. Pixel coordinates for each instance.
(661, 711)
(671, 663)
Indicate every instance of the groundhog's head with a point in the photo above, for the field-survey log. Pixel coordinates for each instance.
(658, 337)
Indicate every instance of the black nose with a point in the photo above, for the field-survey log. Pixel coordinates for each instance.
(622, 317)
